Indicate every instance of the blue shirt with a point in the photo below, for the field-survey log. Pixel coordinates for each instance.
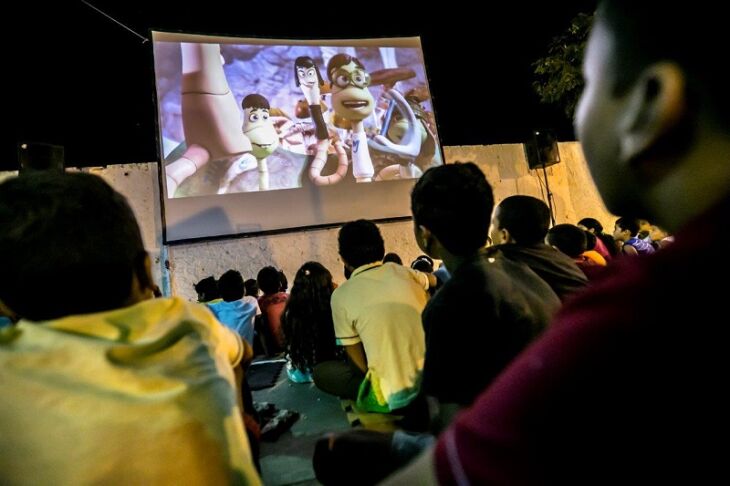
(237, 315)
(442, 274)
(642, 247)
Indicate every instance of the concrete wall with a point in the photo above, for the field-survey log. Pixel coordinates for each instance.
(574, 193)
(139, 183)
(191, 262)
(505, 166)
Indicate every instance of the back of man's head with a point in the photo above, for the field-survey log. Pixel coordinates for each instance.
(591, 224)
(360, 243)
(423, 263)
(207, 289)
(69, 245)
(269, 280)
(393, 258)
(230, 286)
(526, 218)
(692, 35)
(569, 239)
(454, 202)
(251, 287)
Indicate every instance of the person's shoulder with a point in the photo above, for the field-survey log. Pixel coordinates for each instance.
(176, 308)
(493, 279)
(407, 273)
(250, 299)
(485, 268)
(280, 297)
(522, 275)
(467, 285)
(225, 341)
(342, 291)
(613, 300)
(216, 304)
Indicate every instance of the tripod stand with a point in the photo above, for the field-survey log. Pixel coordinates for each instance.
(542, 151)
(547, 190)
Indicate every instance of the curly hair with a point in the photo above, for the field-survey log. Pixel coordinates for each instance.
(307, 318)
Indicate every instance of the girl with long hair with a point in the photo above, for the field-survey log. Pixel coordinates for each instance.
(307, 322)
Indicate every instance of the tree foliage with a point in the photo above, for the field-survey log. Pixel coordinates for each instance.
(558, 75)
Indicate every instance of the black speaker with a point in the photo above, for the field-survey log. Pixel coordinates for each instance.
(542, 149)
(34, 156)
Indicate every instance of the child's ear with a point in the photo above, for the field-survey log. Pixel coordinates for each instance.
(425, 236)
(506, 237)
(143, 286)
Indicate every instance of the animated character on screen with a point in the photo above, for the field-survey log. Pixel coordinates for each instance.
(210, 117)
(404, 140)
(309, 80)
(352, 101)
(397, 131)
(260, 130)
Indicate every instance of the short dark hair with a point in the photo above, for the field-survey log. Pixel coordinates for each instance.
(339, 60)
(393, 257)
(255, 101)
(693, 36)
(251, 287)
(306, 62)
(269, 280)
(423, 263)
(360, 243)
(69, 244)
(567, 238)
(630, 224)
(207, 289)
(591, 223)
(526, 218)
(454, 202)
(230, 285)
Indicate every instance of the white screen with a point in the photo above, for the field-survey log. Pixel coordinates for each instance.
(240, 164)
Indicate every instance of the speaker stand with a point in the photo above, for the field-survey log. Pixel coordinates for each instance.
(549, 195)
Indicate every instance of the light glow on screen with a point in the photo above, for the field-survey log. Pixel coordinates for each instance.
(260, 135)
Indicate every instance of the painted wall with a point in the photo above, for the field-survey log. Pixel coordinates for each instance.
(574, 195)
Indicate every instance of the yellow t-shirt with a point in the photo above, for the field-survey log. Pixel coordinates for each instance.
(139, 395)
(380, 306)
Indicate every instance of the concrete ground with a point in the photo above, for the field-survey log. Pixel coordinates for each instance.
(288, 461)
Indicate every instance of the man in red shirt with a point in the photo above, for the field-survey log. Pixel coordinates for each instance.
(626, 385)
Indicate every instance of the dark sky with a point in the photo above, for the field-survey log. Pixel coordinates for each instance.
(79, 80)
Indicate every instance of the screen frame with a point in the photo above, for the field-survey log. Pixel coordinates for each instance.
(172, 36)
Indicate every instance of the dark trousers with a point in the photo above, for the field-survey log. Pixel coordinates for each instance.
(339, 378)
(335, 460)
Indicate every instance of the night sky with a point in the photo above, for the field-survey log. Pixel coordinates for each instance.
(77, 79)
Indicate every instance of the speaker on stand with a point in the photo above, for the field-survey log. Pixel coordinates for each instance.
(541, 152)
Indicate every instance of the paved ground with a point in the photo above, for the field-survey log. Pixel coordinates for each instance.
(288, 461)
